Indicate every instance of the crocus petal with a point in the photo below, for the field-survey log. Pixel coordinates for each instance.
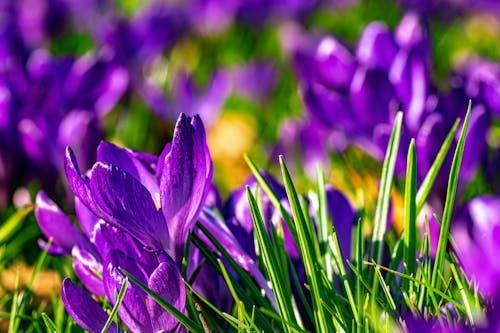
(128, 204)
(86, 218)
(79, 129)
(329, 107)
(85, 265)
(79, 183)
(52, 249)
(133, 310)
(377, 47)
(343, 218)
(371, 97)
(335, 64)
(167, 282)
(410, 77)
(107, 239)
(110, 154)
(185, 181)
(83, 309)
(56, 225)
(476, 146)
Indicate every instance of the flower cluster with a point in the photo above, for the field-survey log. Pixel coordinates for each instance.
(136, 211)
(352, 98)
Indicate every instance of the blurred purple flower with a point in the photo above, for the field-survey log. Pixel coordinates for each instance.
(354, 97)
(208, 103)
(478, 247)
(48, 103)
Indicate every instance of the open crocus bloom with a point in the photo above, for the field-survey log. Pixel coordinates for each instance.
(160, 209)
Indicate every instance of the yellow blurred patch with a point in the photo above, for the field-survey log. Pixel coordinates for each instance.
(46, 283)
(229, 139)
(356, 173)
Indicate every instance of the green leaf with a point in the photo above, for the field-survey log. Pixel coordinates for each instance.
(382, 210)
(15, 303)
(323, 322)
(14, 223)
(49, 324)
(118, 303)
(280, 281)
(449, 203)
(430, 177)
(410, 229)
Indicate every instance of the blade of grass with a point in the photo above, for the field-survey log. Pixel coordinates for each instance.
(27, 293)
(251, 293)
(118, 303)
(410, 229)
(359, 265)
(430, 177)
(49, 324)
(383, 201)
(272, 196)
(246, 278)
(14, 223)
(324, 225)
(449, 203)
(382, 209)
(234, 322)
(463, 294)
(387, 292)
(15, 302)
(278, 278)
(322, 320)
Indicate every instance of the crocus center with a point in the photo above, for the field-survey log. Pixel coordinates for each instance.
(157, 201)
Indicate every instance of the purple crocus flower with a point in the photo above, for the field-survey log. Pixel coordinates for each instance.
(129, 221)
(208, 103)
(48, 103)
(134, 44)
(479, 247)
(239, 218)
(120, 190)
(96, 261)
(354, 96)
(86, 312)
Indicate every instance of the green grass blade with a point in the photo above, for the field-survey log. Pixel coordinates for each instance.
(118, 303)
(14, 223)
(28, 291)
(272, 196)
(385, 289)
(324, 224)
(426, 186)
(279, 279)
(382, 210)
(49, 324)
(234, 322)
(463, 294)
(15, 304)
(449, 203)
(323, 321)
(187, 322)
(410, 229)
(360, 291)
(247, 280)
